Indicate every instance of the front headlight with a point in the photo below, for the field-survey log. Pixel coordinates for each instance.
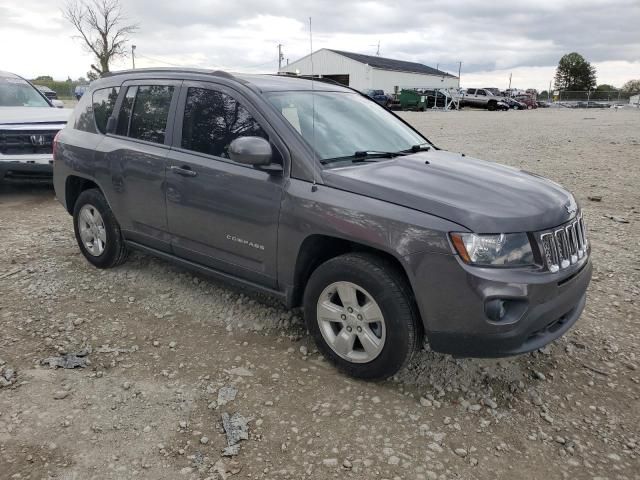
(500, 250)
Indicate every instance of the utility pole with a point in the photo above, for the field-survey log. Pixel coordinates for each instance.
(549, 92)
(133, 56)
(280, 56)
(510, 75)
(459, 72)
(378, 51)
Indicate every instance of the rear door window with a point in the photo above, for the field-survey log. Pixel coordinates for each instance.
(212, 120)
(150, 113)
(104, 100)
(471, 91)
(144, 112)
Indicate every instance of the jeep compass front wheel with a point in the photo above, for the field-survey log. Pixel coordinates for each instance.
(361, 314)
(97, 230)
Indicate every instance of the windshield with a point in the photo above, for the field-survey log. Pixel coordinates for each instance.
(345, 123)
(16, 92)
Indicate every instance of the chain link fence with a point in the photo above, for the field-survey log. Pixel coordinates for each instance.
(592, 98)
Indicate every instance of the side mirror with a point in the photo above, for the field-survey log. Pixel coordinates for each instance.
(254, 151)
(111, 125)
(57, 103)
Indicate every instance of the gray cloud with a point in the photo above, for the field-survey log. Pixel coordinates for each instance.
(484, 35)
(500, 34)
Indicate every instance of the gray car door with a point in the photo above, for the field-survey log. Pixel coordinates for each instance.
(136, 154)
(222, 214)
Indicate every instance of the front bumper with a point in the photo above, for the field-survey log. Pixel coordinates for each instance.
(26, 166)
(543, 306)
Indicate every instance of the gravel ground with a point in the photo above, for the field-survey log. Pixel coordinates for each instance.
(168, 354)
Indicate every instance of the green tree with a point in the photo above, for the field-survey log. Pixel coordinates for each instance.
(605, 87)
(575, 73)
(103, 28)
(632, 86)
(44, 78)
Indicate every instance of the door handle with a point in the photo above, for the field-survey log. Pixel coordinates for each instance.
(185, 171)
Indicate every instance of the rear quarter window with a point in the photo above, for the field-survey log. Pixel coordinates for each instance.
(104, 101)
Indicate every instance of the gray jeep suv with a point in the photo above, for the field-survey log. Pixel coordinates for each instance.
(314, 193)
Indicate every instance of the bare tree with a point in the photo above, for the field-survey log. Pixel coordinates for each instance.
(102, 27)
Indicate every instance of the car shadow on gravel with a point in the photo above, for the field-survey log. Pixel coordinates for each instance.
(25, 191)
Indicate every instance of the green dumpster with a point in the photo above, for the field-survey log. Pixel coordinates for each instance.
(412, 100)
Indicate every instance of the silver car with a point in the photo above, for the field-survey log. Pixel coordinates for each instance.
(28, 124)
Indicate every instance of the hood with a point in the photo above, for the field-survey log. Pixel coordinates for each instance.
(484, 197)
(28, 115)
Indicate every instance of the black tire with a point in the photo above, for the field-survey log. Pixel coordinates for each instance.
(115, 249)
(388, 287)
(492, 106)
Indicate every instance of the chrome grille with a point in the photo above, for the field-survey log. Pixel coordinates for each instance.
(565, 245)
(14, 142)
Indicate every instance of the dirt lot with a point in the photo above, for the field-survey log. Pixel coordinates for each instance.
(166, 346)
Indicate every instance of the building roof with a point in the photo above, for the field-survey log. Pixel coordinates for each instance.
(391, 64)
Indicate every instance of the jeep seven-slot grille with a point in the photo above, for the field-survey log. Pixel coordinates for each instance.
(565, 245)
(18, 142)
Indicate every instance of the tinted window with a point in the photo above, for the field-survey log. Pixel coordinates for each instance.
(212, 120)
(471, 91)
(481, 92)
(125, 111)
(150, 112)
(104, 100)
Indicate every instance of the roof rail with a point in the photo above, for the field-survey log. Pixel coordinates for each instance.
(218, 73)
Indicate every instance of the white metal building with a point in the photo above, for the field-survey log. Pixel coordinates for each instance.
(634, 100)
(367, 71)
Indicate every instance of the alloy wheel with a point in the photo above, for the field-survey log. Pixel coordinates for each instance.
(351, 322)
(92, 231)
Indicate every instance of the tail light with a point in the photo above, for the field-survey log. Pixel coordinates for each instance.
(55, 145)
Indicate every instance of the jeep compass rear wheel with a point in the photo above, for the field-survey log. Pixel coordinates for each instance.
(361, 314)
(97, 231)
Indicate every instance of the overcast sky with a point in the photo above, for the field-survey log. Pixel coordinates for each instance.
(492, 38)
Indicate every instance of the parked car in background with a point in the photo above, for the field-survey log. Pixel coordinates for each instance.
(49, 93)
(439, 99)
(513, 103)
(542, 104)
(28, 124)
(482, 98)
(379, 96)
(527, 100)
(319, 196)
(79, 91)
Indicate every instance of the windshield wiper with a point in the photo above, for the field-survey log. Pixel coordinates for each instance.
(421, 147)
(364, 156)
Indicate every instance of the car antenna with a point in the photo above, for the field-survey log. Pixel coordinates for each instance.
(314, 187)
